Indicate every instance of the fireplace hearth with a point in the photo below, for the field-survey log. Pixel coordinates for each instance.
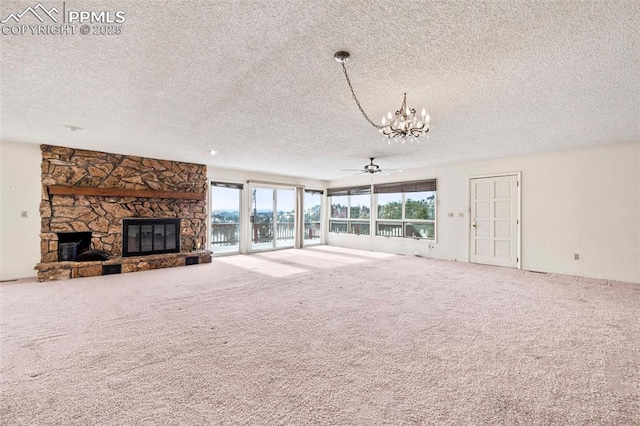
(150, 236)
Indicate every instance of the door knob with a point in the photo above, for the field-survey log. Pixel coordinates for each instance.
(473, 223)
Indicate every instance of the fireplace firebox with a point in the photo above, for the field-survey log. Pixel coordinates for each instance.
(71, 244)
(150, 236)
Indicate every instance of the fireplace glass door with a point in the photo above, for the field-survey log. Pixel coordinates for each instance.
(150, 236)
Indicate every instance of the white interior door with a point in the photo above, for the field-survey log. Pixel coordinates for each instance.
(494, 221)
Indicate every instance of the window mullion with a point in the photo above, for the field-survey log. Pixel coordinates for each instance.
(404, 199)
(348, 214)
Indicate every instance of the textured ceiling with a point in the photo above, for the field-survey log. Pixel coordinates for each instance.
(256, 81)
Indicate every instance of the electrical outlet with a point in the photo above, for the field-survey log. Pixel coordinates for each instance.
(23, 213)
(461, 214)
(450, 214)
(576, 256)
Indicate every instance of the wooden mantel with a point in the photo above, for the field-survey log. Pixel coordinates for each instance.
(122, 192)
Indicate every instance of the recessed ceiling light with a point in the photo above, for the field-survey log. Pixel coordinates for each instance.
(72, 127)
(213, 152)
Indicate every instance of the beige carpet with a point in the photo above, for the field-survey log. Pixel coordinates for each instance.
(321, 336)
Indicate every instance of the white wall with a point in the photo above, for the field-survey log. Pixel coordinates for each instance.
(583, 201)
(241, 176)
(20, 191)
(249, 178)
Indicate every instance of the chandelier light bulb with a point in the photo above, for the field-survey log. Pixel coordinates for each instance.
(424, 112)
(384, 121)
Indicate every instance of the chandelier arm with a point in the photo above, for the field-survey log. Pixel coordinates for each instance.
(364, 114)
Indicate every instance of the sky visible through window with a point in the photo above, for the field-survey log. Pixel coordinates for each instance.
(286, 200)
(225, 198)
(225, 205)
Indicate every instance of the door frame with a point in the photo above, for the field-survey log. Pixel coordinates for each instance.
(518, 176)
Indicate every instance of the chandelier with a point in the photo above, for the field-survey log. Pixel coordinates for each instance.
(403, 126)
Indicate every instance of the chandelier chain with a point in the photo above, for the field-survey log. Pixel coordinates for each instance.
(404, 126)
(377, 126)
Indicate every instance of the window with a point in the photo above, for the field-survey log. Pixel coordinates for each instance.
(350, 210)
(312, 216)
(225, 217)
(406, 209)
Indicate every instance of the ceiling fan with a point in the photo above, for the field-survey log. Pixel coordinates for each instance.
(373, 168)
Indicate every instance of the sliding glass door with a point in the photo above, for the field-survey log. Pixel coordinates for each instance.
(272, 218)
(285, 217)
(262, 201)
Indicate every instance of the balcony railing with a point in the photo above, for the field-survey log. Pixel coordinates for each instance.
(262, 233)
(225, 234)
(228, 234)
(389, 229)
(312, 231)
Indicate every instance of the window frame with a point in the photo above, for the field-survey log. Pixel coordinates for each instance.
(351, 223)
(403, 221)
(405, 189)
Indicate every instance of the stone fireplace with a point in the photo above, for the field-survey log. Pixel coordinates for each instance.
(92, 198)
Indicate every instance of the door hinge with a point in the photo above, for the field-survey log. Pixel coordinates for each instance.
(517, 183)
(517, 259)
(517, 221)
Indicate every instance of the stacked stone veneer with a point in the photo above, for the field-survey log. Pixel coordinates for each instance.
(102, 215)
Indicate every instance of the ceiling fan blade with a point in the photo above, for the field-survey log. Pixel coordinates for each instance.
(373, 169)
